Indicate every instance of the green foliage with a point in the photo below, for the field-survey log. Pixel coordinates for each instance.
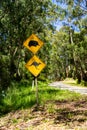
(64, 51)
(4, 71)
(18, 20)
(23, 96)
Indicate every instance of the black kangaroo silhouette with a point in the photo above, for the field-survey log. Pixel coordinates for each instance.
(33, 43)
(35, 64)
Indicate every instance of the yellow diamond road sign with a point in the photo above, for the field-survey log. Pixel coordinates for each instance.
(35, 65)
(33, 43)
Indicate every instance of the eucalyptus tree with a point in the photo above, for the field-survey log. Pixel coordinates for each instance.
(73, 15)
(18, 20)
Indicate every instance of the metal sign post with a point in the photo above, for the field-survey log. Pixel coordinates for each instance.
(33, 82)
(36, 85)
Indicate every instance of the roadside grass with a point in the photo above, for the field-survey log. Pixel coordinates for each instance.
(74, 82)
(21, 96)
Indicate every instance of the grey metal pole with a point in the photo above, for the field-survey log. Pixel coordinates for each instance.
(33, 82)
(36, 90)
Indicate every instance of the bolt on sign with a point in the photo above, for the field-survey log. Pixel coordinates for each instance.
(35, 65)
(33, 43)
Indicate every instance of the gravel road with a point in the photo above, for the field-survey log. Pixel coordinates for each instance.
(61, 85)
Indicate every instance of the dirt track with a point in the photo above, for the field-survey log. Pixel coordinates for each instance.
(61, 85)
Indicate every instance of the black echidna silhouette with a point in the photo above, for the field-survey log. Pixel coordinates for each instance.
(33, 43)
(35, 64)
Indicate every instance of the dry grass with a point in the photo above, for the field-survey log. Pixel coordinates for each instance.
(72, 82)
(53, 115)
(58, 110)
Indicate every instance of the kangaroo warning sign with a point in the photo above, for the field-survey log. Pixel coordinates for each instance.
(33, 43)
(35, 65)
